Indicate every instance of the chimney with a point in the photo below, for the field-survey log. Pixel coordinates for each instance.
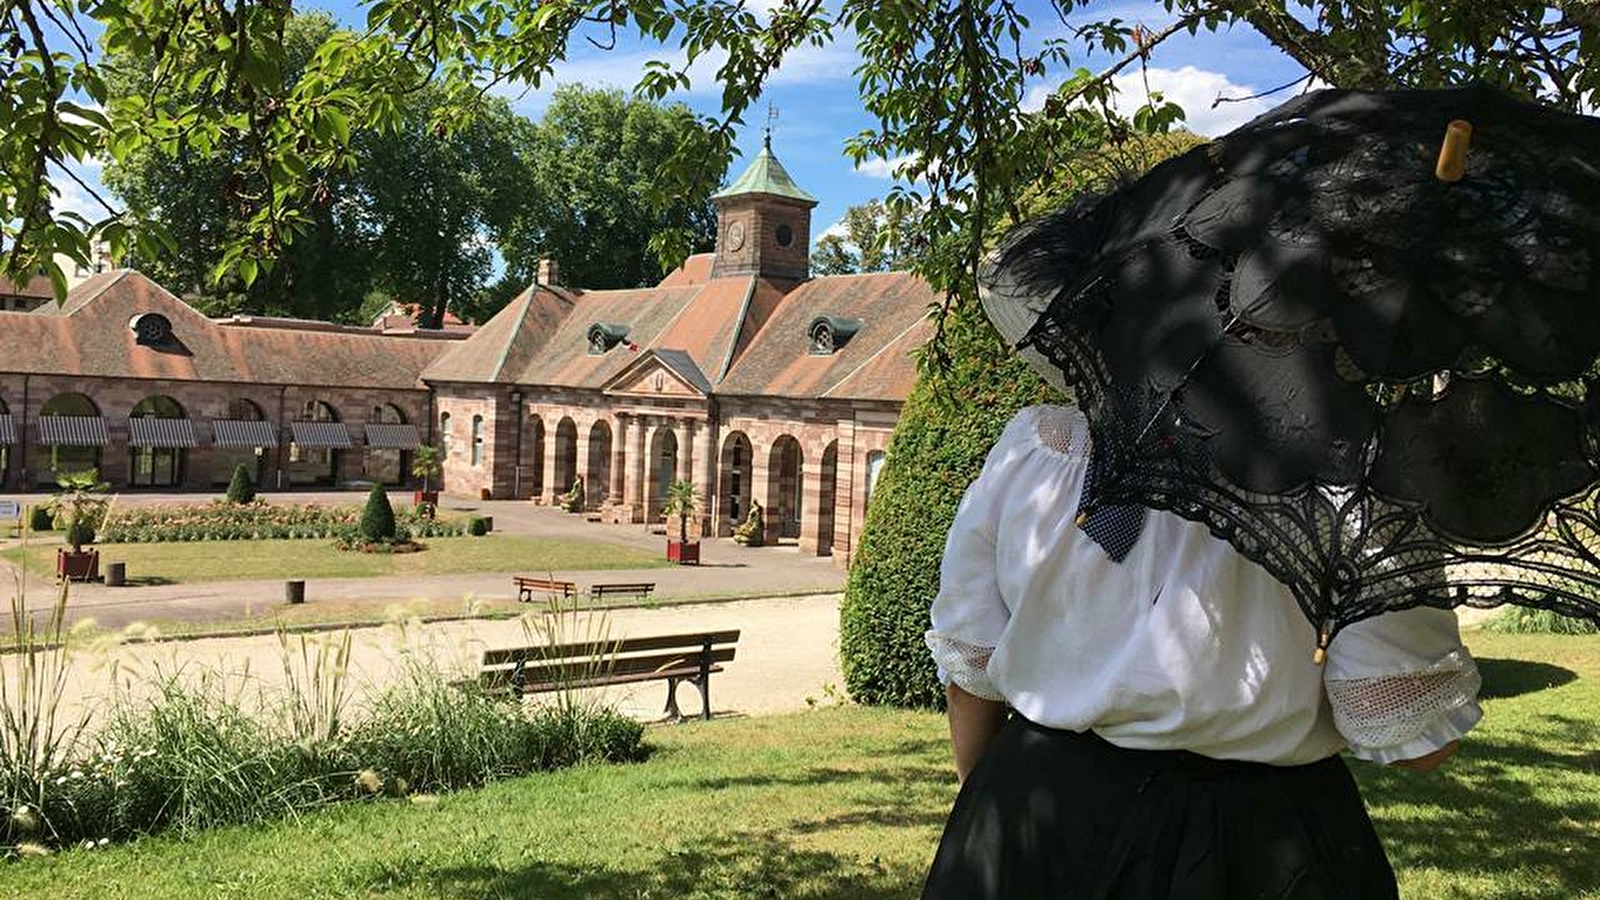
(549, 272)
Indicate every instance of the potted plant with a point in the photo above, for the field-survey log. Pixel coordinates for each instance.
(426, 465)
(683, 501)
(82, 510)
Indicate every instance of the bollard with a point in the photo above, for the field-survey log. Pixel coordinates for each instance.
(116, 574)
(294, 591)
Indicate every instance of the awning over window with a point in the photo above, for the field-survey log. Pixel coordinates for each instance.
(153, 432)
(8, 430)
(72, 431)
(381, 436)
(243, 433)
(321, 435)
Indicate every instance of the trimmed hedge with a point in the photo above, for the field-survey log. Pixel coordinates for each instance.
(945, 431)
(377, 520)
(242, 488)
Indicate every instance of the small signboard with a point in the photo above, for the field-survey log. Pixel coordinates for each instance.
(10, 509)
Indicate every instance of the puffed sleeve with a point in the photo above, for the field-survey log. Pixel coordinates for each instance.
(969, 615)
(1402, 685)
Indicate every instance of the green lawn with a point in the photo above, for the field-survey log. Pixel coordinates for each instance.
(846, 804)
(186, 563)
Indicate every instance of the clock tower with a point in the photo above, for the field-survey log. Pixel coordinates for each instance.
(764, 223)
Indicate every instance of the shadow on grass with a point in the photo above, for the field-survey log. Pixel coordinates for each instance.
(1514, 677)
(1500, 807)
(735, 866)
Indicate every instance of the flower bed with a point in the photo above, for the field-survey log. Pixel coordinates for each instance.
(223, 521)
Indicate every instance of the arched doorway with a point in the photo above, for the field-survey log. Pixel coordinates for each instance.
(385, 462)
(536, 449)
(663, 471)
(319, 443)
(234, 444)
(827, 499)
(597, 469)
(783, 486)
(157, 443)
(74, 438)
(566, 456)
(733, 481)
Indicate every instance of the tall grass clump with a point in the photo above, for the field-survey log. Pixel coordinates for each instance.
(1523, 620)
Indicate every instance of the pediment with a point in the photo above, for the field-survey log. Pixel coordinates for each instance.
(651, 376)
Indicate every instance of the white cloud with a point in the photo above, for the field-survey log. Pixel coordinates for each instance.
(838, 229)
(1198, 92)
(885, 168)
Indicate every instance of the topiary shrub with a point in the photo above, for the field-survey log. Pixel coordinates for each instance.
(477, 527)
(41, 519)
(242, 489)
(377, 520)
(946, 429)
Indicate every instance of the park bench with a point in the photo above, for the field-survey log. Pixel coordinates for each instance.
(674, 658)
(527, 586)
(641, 590)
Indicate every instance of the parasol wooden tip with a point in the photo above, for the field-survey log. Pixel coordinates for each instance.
(1453, 154)
(1083, 519)
(1319, 656)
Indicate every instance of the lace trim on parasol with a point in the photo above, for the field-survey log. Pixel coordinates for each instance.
(965, 664)
(1382, 714)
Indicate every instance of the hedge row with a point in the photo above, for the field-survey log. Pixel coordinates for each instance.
(946, 429)
(223, 521)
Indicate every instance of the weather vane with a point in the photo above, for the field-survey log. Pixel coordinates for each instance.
(772, 116)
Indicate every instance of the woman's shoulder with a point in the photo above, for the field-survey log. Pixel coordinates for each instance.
(1062, 429)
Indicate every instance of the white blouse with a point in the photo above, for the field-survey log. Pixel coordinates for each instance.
(1185, 644)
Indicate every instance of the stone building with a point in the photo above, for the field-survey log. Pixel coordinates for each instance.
(128, 379)
(738, 373)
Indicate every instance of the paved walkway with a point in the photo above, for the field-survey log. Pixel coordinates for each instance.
(727, 570)
(787, 656)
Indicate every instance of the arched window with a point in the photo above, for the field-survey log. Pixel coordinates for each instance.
(444, 435)
(477, 440)
(874, 469)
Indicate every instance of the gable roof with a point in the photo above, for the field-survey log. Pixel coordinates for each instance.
(89, 335)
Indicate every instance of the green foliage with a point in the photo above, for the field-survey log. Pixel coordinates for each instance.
(242, 487)
(1521, 620)
(40, 518)
(683, 502)
(80, 506)
(377, 519)
(477, 526)
(427, 464)
(876, 238)
(945, 432)
(256, 521)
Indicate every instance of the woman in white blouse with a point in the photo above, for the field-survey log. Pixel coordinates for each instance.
(1171, 735)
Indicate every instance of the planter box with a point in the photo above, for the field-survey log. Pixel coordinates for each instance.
(74, 566)
(684, 553)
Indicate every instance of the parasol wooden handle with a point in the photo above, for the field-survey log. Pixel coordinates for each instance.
(1453, 154)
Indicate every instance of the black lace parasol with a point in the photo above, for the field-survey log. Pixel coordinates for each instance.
(1372, 372)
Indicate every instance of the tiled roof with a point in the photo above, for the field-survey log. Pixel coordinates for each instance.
(766, 176)
(684, 367)
(37, 286)
(89, 335)
(876, 364)
(508, 342)
(695, 270)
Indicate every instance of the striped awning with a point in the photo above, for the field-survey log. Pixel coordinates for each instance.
(72, 431)
(8, 430)
(242, 433)
(385, 436)
(148, 431)
(321, 435)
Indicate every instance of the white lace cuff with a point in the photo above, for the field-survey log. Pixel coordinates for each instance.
(965, 664)
(1404, 716)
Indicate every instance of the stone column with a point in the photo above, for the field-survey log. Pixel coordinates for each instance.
(619, 460)
(637, 470)
(683, 430)
(552, 488)
(761, 488)
(705, 476)
(580, 468)
(846, 517)
(811, 506)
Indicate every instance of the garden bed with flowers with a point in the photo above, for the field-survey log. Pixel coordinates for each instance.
(259, 520)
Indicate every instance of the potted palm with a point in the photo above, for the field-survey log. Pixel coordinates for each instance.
(683, 502)
(426, 465)
(81, 508)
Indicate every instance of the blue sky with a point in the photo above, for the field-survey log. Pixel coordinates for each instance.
(818, 106)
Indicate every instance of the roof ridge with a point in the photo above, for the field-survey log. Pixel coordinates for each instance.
(516, 331)
(877, 353)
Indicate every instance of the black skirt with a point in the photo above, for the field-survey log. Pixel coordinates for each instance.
(1059, 815)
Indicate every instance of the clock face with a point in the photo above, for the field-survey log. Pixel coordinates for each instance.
(736, 236)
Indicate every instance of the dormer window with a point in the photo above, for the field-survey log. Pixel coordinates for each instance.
(829, 334)
(603, 337)
(151, 329)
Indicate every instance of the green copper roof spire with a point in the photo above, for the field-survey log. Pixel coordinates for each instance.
(767, 176)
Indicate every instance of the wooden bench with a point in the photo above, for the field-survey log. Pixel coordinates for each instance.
(671, 658)
(526, 587)
(641, 589)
